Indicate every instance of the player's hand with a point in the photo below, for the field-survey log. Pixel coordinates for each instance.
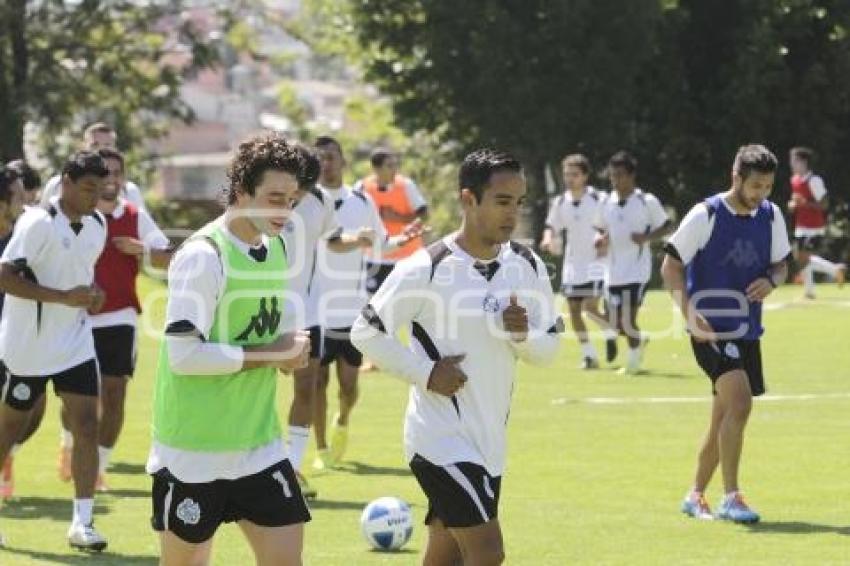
(515, 320)
(446, 376)
(365, 237)
(129, 246)
(98, 299)
(546, 245)
(701, 329)
(290, 351)
(639, 238)
(414, 230)
(600, 242)
(759, 289)
(81, 296)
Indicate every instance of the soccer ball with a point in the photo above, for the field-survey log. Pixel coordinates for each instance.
(386, 523)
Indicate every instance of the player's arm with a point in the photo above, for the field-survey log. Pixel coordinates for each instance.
(658, 218)
(551, 226)
(152, 243)
(396, 304)
(535, 335)
(195, 286)
(818, 188)
(780, 252)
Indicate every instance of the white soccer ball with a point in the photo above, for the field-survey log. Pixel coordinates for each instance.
(387, 523)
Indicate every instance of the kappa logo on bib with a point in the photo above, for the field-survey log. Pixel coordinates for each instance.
(264, 322)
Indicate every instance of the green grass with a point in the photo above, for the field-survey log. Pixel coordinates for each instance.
(587, 483)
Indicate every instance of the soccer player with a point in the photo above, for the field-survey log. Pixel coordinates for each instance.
(31, 180)
(475, 302)
(133, 236)
(47, 273)
(629, 221)
(808, 206)
(340, 280)
(217, 453)
(727, 256)
(573, 214)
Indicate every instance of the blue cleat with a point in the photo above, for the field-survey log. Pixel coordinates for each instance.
(733, 508)
(697, 507)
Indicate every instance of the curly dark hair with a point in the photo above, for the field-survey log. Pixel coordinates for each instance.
(257, 155)
(310, 167)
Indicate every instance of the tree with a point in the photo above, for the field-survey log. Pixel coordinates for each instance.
(122, 61)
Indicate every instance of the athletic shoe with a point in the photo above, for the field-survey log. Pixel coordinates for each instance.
(307, 491)
(84, 537)
(736, 510)
(841, 275)
(697, 507)
(339, 441)
(64, 464)
(323, 461)
(611, 349)
(629, 369)
(589, 363)
(7, 479)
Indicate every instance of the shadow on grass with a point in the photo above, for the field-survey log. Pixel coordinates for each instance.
(141, 493)
(797, 528)
(127, 468)
(336, 505)
(76, 557)
(376, 552)
(361, 469)
(54, 509)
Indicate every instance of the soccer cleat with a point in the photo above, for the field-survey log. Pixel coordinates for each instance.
(589, 363)
(611, 349)
(323, 461)
(307, 491)
(84, 537)
(339, 441)
(7, 479)
(697, 507)
(64, 464)
(736, 510)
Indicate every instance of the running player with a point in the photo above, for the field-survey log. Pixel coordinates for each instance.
(808, 206)
(47, 273)
(572, 216)
(475, 302)
(217, 453)
(727, 256)
(629, 221)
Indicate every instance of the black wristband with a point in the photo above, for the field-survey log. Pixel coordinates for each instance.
(770, 280)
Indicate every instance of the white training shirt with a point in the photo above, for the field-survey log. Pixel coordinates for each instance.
(695, 230)
(40, 339)
(818, 189)
(132, 192)
(195, 284)
(641, 213)
(312, 220)
(577, 218)
(340, 277)
(438, 295)
(153, 239)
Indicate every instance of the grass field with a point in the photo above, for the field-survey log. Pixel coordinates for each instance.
(598, 462)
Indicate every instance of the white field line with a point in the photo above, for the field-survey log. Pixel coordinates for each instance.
(679, 400)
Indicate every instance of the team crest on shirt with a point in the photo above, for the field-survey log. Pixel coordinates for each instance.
(490, 304)
(189, 512)
(731, 351)
(22, 392)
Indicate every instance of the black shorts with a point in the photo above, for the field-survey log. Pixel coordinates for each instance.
(460, 495)
(193, 511)
(717, 358)
(584, 291)
(376, 273)
(337, 344)
(21, 392)
(315, 341)
(810, 244)
(115, 347)
(619, 296)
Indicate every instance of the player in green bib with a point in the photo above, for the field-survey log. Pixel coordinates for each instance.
(217, 453)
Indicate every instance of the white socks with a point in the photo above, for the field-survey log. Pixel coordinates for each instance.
(297, 444)
(103, 456)
(66, 439)
(634, 357)
(822, 265)
(588, 351)
(83, 509)
(609, 334)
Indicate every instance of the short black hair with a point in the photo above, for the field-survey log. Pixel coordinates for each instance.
(803, 153)
(257, 155)
(107, 153)
(324, 141)
(311, 167)
(29, 176)
(379, 156)
(480, 165)
(577, 160)
(7, 177)
(84, 163)
(754, 158)
(625, 160)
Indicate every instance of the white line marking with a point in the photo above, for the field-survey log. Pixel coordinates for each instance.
(678, 400)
